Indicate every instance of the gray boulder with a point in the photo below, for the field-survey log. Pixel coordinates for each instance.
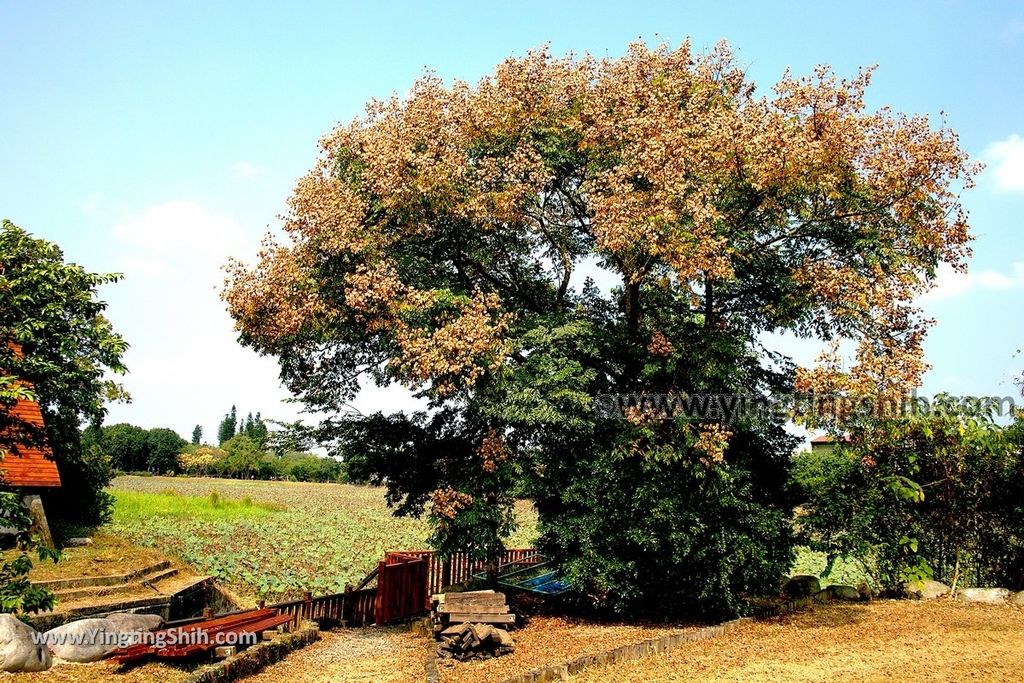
(840, 592)
(86, 640)
(129, 624)
(802, 586)
(1018, 599)
(21, 647)
(865, 591)
(984, 596)
(926, 590)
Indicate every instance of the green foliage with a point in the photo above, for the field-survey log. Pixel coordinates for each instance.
(935, 495)
(228, 426)
(197, 435)
(51, 309)
(134, 449)
(642, 513)
(305, 467)
(214, 507)
(163, 446)
(127, 445)
(17, 593)
(295, 537)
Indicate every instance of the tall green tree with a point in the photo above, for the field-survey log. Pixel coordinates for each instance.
(197, 435)
(443, 242)
(228, 426)
(127, 446)
(52, 310)
(163, 446)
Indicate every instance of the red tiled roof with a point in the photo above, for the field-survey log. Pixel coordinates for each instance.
(27, 466)
(824, 438)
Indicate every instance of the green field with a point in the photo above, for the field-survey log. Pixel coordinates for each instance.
(271, 539)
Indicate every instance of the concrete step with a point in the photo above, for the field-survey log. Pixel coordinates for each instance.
(138, 599)
(95, 581)
(139, 585)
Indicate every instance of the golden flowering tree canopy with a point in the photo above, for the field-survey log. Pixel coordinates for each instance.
(429, 228)
(451, 241)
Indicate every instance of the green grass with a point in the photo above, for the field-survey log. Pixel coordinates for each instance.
(135, 505)
(272, 539)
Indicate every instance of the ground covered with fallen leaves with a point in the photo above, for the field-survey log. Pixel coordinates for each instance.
(363, 655)
(911, 642)
(101, 671)
(550, 640)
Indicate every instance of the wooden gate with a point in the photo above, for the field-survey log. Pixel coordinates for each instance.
(401, 588)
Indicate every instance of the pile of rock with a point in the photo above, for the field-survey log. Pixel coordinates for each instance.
(933, 590)
(22, 648)
(474, 641)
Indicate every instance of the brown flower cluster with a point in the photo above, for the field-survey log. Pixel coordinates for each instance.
(447, 503)
(712, 440)
(493, 451)
(660, 345)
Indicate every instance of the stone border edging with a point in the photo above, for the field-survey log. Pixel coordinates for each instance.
(256, 658)
(431, 665)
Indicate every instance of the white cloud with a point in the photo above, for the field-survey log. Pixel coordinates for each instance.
(1006, 159)
(247, 169)
(179, 226)
(92, 203)
(950, 283)
(186, 365)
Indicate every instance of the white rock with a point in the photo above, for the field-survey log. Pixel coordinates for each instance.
(126, 622)
(21, 647)
(985, 596)
(78, 542)
(86, 640)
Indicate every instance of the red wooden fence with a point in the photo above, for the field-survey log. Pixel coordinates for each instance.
(405, 582)
(401, 587)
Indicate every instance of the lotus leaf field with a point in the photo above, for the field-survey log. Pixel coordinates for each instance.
(270, 539)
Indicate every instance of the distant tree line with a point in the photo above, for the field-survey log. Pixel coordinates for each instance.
(246, 450)
(134, 449)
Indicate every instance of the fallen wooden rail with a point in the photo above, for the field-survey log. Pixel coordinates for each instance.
(203, 636)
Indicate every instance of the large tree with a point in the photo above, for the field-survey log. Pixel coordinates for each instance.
(444, 240)
(51, 310)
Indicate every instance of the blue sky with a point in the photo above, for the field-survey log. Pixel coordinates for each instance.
(157, 139)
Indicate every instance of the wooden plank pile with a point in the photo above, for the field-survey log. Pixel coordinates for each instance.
(474, 641)
(470, 625)
(476, 607)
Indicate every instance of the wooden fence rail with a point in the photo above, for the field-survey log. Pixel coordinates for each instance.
(355, 608)
(460, 568)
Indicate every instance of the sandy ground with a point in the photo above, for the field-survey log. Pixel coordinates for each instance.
(366, 655)
(549, 640)
(910, 642)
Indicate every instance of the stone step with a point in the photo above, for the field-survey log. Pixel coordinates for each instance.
(110, 580)
(148, 581)
(143, 599)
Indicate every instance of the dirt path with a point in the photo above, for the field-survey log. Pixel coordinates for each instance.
(911, 642)
(365, 655)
